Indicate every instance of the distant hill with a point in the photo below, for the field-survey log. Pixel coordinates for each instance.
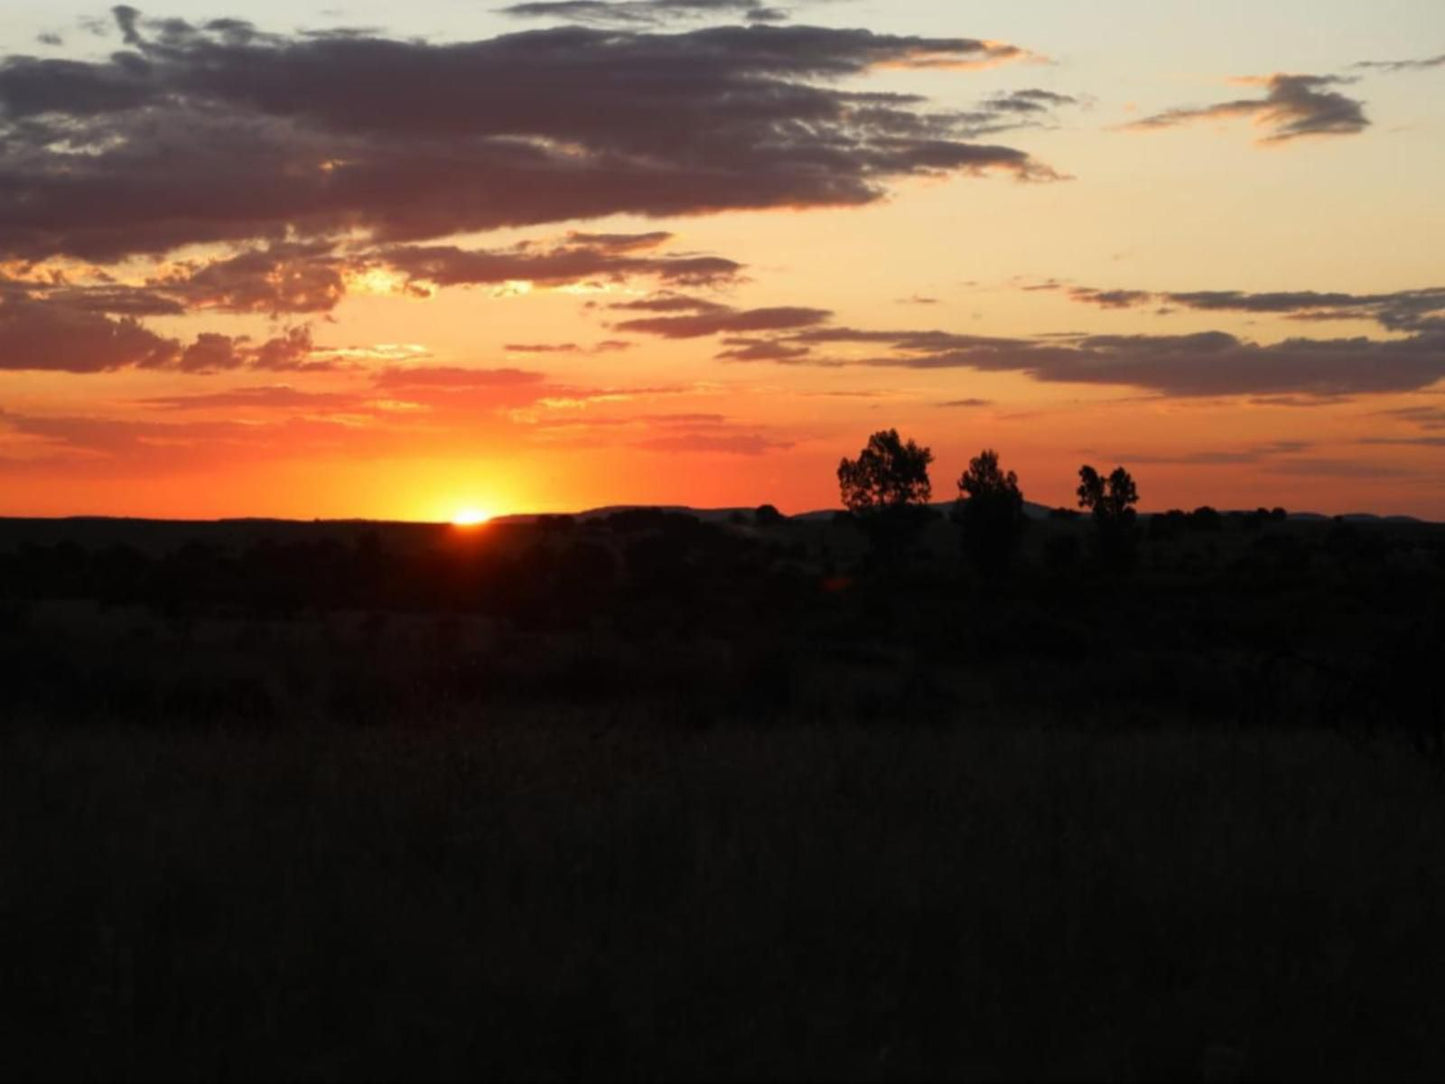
(1031, 509)
(707, 515)
(157, 536)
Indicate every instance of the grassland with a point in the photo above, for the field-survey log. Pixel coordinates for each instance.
(554, 897)
(647, 800)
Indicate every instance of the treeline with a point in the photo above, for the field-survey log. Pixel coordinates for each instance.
(887, 491)
(637, 565)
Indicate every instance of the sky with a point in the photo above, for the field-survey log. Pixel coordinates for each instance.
(401, 261)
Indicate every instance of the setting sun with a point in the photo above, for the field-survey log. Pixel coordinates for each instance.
(470, 517)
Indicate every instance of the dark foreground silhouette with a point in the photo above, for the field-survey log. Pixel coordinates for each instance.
(645, 796)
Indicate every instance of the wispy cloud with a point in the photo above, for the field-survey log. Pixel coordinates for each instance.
(1401, 310)
(1292, 106)
(1404, 65)
(725, 320)
(644, 13)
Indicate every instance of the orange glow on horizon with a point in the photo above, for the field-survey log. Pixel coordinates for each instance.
(470, 517)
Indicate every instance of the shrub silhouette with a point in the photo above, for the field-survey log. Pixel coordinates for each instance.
(1170, 524)
(1205, 518)
(990, 509)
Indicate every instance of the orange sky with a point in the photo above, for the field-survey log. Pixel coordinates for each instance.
(498, 264)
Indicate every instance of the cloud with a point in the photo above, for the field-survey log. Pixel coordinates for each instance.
(220, 132)
(542, 348)
(1287, 457)
(1215, 364)
(1293, 106)
(1253, 454)
(727, 444)
(290, 278)
(967, 403)
(1404, 65)
(274, 279)
(620, 242)
(676, 432)
(635, 13)
(741, 348)
(112, 444)
(1401, 310)
(263, 397)
(1426, 417)
(1107, 299)
(725, 320)
(41, 336)
(606, 346)
(669, 302)
(454, 377)
(1204, 364)
(1418, 442)
(448, 265)
(1335, 468)
(51, 336)
(1011, 110)
(461, 390)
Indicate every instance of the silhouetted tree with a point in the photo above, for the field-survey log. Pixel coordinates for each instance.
(768, 516)
(888, 474)
(1111, 500)
(990, 509)
(887, 490)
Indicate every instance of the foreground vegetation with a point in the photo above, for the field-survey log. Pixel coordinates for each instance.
(648, 797)
(553, 897)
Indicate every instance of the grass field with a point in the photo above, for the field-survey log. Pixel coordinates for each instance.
(548, 895)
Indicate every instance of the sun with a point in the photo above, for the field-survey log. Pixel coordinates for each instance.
(470, 517)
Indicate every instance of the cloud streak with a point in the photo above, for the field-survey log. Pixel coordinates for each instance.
(598, 258)
(1293, 106)
(1402, 310)
(725, 320)
(1205, 364)
(644, 13)
(1404, 65)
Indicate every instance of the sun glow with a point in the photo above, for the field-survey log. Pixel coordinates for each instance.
(470, 517)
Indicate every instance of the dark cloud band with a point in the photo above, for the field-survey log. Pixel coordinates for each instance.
(222, 133)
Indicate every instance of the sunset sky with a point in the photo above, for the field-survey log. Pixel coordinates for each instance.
(398, 260)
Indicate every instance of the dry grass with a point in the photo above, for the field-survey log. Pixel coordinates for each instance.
(560, 897)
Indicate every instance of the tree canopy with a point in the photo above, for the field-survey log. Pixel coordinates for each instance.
(889, 474)
(990, 509)
(1110, 499)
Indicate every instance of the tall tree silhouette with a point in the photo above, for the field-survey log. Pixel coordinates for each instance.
(990, 509)
(887, 490)
(889, 473)
(1111, 500)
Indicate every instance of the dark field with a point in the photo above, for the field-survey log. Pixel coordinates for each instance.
(643, 798)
